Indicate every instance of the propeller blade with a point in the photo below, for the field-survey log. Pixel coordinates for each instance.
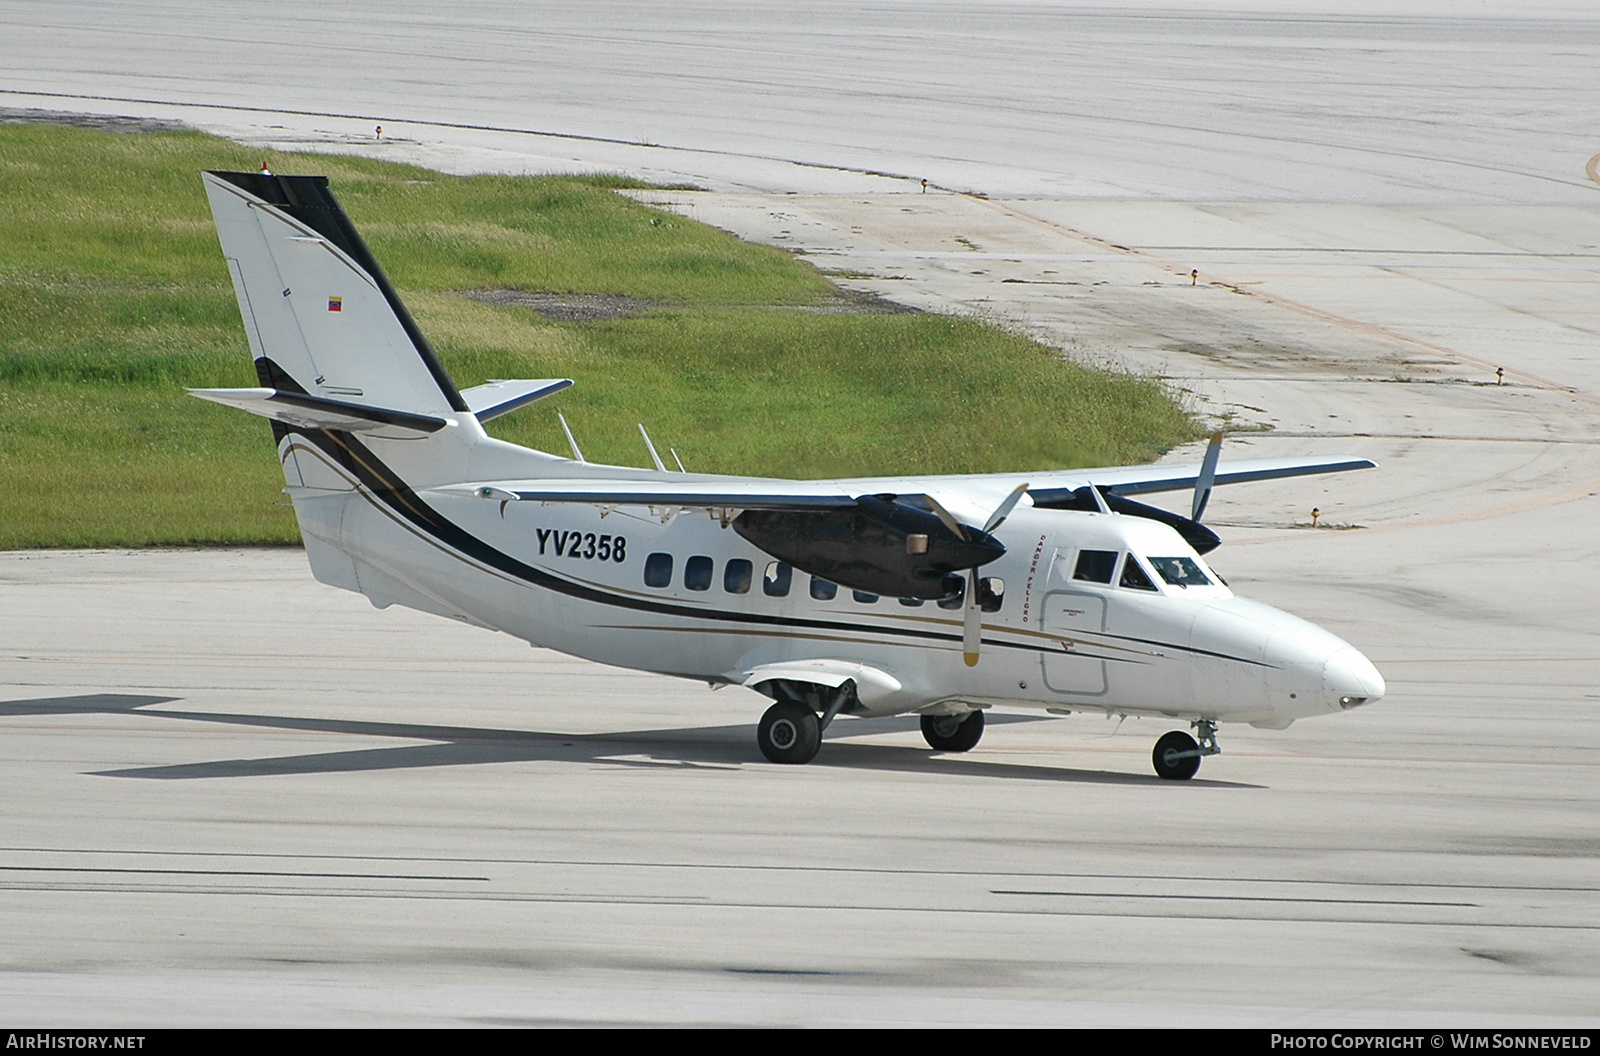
(1004, 510)
(1208, 476)
(972, 622)
(950, 522)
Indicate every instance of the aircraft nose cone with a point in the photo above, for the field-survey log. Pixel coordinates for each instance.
(1349, 680)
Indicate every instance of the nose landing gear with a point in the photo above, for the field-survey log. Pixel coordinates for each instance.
(1177, 756)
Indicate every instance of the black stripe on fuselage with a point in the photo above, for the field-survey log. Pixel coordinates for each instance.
(386, 486)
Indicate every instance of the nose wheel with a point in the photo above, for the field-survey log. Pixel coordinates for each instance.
(1177, 755)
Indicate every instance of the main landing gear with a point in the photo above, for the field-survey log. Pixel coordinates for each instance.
(1177, 756)
(789, 733)
(791, 730)
(953, 733)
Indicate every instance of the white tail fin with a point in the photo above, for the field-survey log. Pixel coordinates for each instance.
(321, 317)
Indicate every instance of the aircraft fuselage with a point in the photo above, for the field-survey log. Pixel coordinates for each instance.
(683, 594)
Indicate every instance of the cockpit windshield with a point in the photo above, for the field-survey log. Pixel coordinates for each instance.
(1180, 571)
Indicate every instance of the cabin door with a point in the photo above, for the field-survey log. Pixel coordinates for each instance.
(1073, 614)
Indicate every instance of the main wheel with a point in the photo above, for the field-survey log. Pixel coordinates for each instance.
(789, 733)
(1167, 748)
(953, 733)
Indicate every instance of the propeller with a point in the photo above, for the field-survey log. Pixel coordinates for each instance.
(972, 616)
(1208, 476)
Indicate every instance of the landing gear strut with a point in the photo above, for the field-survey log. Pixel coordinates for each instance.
(953, 733)
(1177, 756)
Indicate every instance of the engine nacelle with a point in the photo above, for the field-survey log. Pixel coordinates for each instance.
(881, 546)
(1197, 535)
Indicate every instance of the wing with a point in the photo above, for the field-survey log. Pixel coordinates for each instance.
(666, 489)
(1135, 480)
(968, 497)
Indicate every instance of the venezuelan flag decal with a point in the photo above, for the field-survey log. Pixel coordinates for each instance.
(335, 304)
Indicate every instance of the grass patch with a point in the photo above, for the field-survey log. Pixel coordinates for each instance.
(775, 393)
(114, 297)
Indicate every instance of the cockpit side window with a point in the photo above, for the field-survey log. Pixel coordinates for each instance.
(1133, 575)
(1095, 566)
(1180, 571)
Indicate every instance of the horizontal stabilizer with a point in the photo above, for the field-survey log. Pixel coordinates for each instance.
(318, 412)
(496, 397)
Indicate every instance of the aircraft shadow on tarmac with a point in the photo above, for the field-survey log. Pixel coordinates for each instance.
(714, 747)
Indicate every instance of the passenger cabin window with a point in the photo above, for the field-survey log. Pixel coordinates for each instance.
(776, 579)
(1095, 566)
(658, 570)
(1133, 576)
(1180, 571)
(955, 600)
(991, 594)
(911, 603)
(863, 597)
(697, 573)
(736, 577)
(822, 590)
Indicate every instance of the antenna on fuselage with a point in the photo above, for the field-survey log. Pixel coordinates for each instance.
(678, 460)
(653, 456)
(577, 455)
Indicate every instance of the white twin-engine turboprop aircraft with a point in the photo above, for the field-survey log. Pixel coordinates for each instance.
(865, 597)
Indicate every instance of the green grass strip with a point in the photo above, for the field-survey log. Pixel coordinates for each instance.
(114, 297)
